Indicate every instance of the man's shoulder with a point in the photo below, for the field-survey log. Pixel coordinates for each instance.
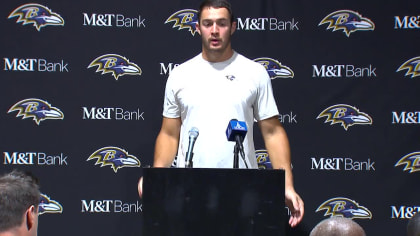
(185, 69)
(190, 61)
(186, 65)
(249, 63)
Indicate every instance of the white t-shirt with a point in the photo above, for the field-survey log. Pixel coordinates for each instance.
(207, 96)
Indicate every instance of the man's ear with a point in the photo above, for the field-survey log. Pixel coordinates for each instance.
(197, 27)
(233, 27)
(30, 215)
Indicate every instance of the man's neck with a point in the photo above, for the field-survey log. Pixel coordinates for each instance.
(216, 56)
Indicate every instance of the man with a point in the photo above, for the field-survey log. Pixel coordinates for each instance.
(413, 226)
(337, 226)
(19, 199)
(208, 91)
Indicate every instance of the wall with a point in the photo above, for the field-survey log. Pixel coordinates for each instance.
(95, 115)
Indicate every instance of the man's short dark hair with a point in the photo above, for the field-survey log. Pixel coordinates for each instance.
(216, 4)
(413, 226)
(18, 191)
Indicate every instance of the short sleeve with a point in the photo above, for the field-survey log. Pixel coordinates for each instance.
(170, 105)
(265, 104)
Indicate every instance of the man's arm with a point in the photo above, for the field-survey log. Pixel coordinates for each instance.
(167, 141)
(166, 146)
(277, 145)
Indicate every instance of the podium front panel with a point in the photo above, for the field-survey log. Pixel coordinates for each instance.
(197, 201)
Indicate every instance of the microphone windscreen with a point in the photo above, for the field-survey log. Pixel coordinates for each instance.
(193, 133)
(234, 128)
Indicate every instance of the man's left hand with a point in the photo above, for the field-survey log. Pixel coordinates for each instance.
(296, 206)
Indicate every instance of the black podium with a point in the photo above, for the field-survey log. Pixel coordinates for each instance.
(217, 202)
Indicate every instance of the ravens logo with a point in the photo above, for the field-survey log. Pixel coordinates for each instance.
(411, 162)
(344, 207)
(184, 19)
(46, 205)
(274, 68)
(115, 157)
(348, 21)
(412, 66)
(37, 15)
(116, 65)
(345, 115)
(263, 159)
(37, 109)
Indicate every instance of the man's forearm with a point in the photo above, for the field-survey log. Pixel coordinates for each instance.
(165, 151)
(280, 159)
(278, 149)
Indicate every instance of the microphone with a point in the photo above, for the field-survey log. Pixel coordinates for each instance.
(236, 131)
(193, 134)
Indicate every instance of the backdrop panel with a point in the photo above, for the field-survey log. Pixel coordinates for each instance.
(345, 77)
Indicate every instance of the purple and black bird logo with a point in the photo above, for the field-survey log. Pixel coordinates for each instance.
(274, 68)
(36, 14)
(37, 109)
(345, 115)
(116, 65)
(184, 19)
(115, 157)
(412, 66)
(411, 162)
(348, 21)
(263, 159)
(344, 207)
(47, 205)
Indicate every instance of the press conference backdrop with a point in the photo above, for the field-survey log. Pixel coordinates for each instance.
(82, 85)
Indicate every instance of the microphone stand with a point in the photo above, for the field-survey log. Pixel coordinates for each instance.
(189, 163)
(236, 156)
(236, 151)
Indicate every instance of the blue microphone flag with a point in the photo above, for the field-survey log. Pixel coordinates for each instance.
(235, 128)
